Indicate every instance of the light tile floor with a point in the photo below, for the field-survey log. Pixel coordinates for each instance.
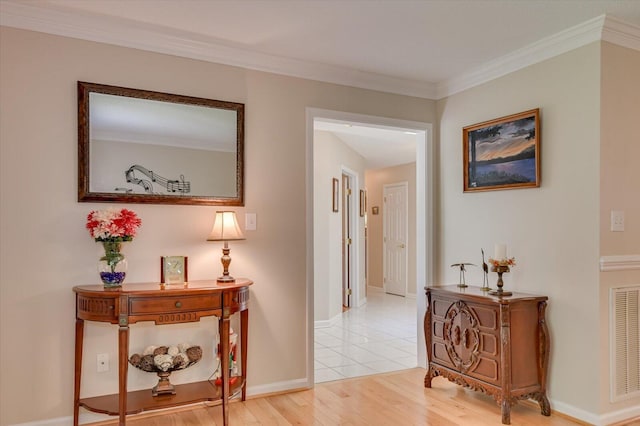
(378, 337)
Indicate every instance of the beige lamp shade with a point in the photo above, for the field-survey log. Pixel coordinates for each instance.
(225, 227)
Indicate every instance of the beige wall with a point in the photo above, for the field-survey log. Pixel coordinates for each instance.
(619, 187)
(330, 156)
(553, 230)
(556, 232)
(375, 180)
(45, 249)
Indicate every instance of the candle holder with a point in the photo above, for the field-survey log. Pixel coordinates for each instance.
(500, 269)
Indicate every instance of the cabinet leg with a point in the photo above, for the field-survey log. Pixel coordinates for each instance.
(545, 408)
(506, 412)
(427, 378)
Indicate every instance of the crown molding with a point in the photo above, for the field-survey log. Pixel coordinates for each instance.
(539, 51)
(620, 263)
(42, 17)
(621, 33)
(121, 32)
(603, 27)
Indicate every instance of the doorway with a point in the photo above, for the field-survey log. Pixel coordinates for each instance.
(317, 190)
(348, 266)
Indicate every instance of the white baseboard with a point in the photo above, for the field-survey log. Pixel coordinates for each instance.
(84, 418)
(620, 415)
(289, 385)
(595, 419)
(326, 323)
(60, 421)
(375, 289)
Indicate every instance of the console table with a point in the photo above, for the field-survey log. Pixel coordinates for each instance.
(497, 345)
(162, 304)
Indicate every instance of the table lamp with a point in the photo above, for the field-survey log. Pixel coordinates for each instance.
(225, 228)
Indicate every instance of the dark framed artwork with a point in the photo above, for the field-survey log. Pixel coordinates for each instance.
(363, 202)
(503, 153)
(335, 203)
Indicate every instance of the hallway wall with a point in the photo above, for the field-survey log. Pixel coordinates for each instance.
(330, 155)
(375, 179)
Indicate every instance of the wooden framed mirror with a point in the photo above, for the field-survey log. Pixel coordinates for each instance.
(139, 146)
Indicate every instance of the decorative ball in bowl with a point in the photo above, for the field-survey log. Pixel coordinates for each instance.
(163, 360)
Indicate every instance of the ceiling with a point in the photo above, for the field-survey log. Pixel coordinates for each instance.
(428, 48)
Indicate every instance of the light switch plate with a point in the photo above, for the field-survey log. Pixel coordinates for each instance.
(250, 222)
(617, 220)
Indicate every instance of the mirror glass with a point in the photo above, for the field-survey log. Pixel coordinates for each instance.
(140, 146)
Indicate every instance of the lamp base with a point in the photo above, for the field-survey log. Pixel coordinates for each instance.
(226, 279)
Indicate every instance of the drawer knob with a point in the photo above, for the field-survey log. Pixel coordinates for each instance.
(178, 304)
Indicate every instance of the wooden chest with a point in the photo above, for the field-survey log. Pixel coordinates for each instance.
(497, 345)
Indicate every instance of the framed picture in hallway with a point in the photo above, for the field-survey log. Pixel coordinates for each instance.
(363, 202)
(336, 194)
(503, 153)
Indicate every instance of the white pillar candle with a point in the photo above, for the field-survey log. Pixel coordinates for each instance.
(500, 251)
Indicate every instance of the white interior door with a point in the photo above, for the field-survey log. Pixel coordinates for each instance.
(395, 217)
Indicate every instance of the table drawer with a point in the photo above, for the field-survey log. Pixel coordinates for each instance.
(237, 299)
(96, 308)
(174, 304)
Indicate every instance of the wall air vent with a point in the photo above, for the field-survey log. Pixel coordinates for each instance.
(625, 343)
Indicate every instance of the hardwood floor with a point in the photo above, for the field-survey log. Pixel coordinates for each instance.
(397, 398)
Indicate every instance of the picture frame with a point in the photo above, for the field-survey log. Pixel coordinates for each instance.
(123, 131)
(375, 210)
(335, 204)
(363, 202)
(174, 270)
(503, 153)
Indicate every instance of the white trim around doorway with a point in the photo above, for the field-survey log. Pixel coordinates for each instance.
(424, 215)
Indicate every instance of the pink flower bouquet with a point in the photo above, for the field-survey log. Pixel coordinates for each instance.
(113, 225)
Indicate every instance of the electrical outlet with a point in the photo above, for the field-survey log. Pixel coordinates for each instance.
(103, 362)
(617, 221)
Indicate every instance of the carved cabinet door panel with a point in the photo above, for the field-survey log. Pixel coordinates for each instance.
(488, 366)
(440, 354)
(462, 336)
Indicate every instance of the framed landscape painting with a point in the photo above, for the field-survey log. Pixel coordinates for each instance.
(503, 153)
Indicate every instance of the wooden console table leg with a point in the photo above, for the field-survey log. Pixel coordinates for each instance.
(224, 364)
(123, 356)
(244, 330)
(123, 351)
(78, 370)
